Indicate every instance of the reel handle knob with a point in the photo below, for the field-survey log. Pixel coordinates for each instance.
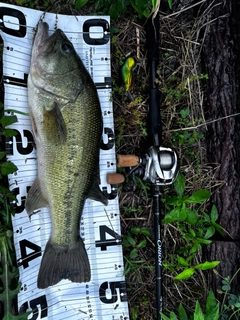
(127, 160)
(115, 178)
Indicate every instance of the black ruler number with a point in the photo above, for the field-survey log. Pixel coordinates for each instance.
(37, 305)
(114, 294)
(22, 24)
(103, 243)
(26, 258)
(96, 23)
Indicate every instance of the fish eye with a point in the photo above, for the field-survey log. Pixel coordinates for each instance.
(66, 47)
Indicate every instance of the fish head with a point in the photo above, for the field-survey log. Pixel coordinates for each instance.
(56, 67)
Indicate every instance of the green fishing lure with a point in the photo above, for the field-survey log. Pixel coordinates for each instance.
(127, 73)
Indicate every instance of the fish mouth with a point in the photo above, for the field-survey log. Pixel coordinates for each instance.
(44, 44)
(42, 32)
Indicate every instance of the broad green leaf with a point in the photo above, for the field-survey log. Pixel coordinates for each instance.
(192, 216)
(174, 201)
(198, 197)
(203, 241)
(200, 231)
(226, 287)
(190, 258)
(198, 315)
(141, 6)
(7, 120)
(6, 193)
(207, 265)
(179, 184)
(206, 218)
(9, 316)
(9, 132)
(2, 154)
(164, 317)
(116, 8)
(210, 232)
(213, 314)
(80, 3)
(218, 228)
(233, 299)
(237, 305)
(195, 248)
(125, 242)
(142, 244)
(173, 316)
(135, 230)
(182, 215)
(182, 313)
(184, 113)
(172, 216)
(133, 254)
(192, 232)
(114, 30)
(7, 168)
(226, 284)
(214, 213)
(131, 240)
(145, 232)
(187, 273)
(170, 266)
(211, 301)
(182, 261)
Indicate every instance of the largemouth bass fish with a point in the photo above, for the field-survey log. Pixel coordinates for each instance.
(67, 127)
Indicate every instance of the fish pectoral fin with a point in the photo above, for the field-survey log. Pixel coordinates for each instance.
(96, 194)
(35, 198)
(54, 118)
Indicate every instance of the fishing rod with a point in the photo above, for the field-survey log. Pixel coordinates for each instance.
(160, 166)
(165, 162)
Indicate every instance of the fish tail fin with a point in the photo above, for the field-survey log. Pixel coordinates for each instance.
(63, 262)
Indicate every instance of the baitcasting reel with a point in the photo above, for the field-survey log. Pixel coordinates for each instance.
(160, 166)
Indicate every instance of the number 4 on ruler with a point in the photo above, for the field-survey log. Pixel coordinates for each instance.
(103, 243)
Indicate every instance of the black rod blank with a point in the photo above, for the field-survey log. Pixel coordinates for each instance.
(155, 140)
(154, 119)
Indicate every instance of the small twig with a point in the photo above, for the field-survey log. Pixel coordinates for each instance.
(151, 241)
(203, 124)
(138, 43)
(140, 218)
(185, 9)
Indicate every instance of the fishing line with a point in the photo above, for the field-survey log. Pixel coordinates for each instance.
(34, 28)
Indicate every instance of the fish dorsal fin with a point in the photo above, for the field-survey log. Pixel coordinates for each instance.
(96, 194)
(35, 199)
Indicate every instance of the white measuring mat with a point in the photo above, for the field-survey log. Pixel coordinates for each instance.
(104, 297)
